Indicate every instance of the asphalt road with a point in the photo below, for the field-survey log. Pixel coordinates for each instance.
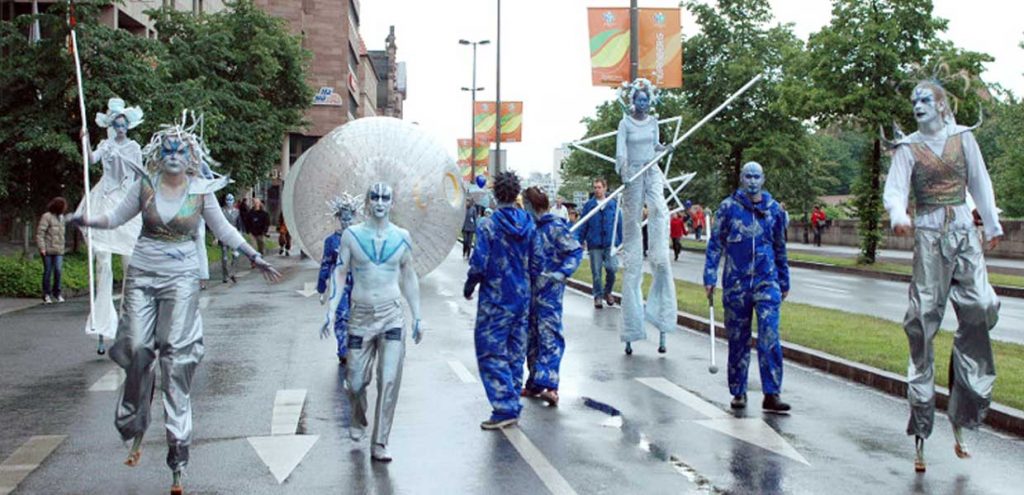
(881, 298)
(673, 432)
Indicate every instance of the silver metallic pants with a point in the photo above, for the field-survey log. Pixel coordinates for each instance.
(375, 333)
(160, 319)
(950, 265)
(661, 299)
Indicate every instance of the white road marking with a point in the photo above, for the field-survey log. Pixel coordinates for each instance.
(283, 450)
(462, 371)
(308, 289)
(751, 430)
(243, 273)
(109, 382)
(287, 409)
(828, 289)
(26, 459)
(532, 455)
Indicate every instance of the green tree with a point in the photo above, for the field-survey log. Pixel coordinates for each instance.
(854, 73)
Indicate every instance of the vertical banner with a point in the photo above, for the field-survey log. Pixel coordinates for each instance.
(465, 160)
(609, 45)
(485, 118)
(661, 47)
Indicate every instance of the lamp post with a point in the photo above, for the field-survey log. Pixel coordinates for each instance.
(472, 108)
(499, 166)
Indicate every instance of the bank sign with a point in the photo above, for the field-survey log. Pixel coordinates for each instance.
(327, 96)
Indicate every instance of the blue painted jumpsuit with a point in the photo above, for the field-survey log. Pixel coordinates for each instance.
(499, 265)
(555, 250)
(327, 265)
(756, 273)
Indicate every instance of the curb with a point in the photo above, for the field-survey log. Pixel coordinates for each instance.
(999, 416)
(1001, 290)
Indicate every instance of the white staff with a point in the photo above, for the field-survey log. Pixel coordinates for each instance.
(669, 149)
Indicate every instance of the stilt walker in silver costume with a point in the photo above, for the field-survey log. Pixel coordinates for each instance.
(941, 164)
(638, 142)
(160, 319)
(379, 255)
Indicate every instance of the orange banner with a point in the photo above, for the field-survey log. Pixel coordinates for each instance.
(661, 47)
(483, 155)
(609, 46)
(485, 118)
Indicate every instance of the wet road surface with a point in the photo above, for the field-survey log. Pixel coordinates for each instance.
(647, 423)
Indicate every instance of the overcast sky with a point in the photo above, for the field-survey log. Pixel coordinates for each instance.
(545, 61)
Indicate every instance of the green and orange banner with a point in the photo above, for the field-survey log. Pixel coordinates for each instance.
(485, 118)
(661, 46)
(483, 156)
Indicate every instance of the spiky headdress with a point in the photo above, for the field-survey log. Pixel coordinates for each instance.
(628, 90)
(345, 202)
(189, 131)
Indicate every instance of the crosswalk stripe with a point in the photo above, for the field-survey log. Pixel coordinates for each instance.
(26, 459)
(109, 382)
(462, 371)
(545, 471)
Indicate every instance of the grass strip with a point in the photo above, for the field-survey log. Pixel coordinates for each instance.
(1002, 279)
(860, 338)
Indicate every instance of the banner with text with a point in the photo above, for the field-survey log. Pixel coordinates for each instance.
(483, 155)
(485, 118)
(661, 46)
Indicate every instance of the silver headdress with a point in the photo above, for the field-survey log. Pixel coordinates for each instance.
(115, 109)
(345, 202)
(190, 131)
(628, 90)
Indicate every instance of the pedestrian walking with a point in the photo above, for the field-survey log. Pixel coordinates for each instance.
(554, 257)
(228, 256)
(345, 208)
(50, 241)
(469, 228)
(748, 232)
(818, 218)
(677, 230)
(596, 237)
(698, 221)
(259, 224)
(284, 239)
(499, 266)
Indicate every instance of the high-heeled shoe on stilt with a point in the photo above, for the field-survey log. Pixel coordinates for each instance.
(919, 466)
(176, 487)
(629, 349)
(960, 447)
(135, 454)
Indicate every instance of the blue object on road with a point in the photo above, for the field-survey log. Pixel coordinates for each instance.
(756, 273)
(499, 264)
(555, 256)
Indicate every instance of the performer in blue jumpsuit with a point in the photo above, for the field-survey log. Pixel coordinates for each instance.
(749, 229)
(554, 257)
(499, 265)
(345, 209)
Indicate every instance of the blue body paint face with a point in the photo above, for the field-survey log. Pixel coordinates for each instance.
(752, 178)
(345, 217)
(926, 108)
(641, 103)
(120, 126)
(174, 154)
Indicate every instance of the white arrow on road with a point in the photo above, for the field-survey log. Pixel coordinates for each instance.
(283, 450)
(308, 289)
(751, 430)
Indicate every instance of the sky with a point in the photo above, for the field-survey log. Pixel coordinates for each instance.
(545, 60)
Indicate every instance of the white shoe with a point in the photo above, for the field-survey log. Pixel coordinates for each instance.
(47, 300)
(60, 299)
(356, 432)
(380, 453)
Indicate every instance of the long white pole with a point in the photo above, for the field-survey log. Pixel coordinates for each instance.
(662, 154)
(85, 170)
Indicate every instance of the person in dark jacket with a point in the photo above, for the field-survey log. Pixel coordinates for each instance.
(259, 224)
(50, 241)
(749, 232)
(469, 228)
(499, 266)
(596, 237)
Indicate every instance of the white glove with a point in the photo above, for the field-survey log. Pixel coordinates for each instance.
(417, 331)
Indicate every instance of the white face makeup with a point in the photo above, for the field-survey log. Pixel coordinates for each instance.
(380, 199)
(926, 108)
(752, 178)
(120, 126)
(174, 154)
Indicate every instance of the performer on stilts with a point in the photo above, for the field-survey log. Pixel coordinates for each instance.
(160, 321)
(750, 231)
(499, 265)
(121, 158)
(637, 143)
(554, 257)
(941, 163)
(344, 208)
(379, 255)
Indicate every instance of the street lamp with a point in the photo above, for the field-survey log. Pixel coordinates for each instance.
(472, 108)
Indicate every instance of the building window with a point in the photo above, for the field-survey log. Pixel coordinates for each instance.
(353, 60)
(299, 144)
(354, 12)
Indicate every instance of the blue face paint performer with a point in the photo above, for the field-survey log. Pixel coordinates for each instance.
(344, 209)
(379, 256)
(637, 143)
(499, 266)
(941, 163)
(554, 257)
(160, 320)
(750, 233)
(121, 158)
